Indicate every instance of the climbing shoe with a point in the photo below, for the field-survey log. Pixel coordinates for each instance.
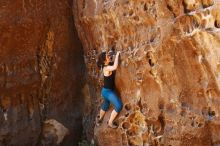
(98, 121)
(113, 125)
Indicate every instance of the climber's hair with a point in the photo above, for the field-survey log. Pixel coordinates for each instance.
(101, 60)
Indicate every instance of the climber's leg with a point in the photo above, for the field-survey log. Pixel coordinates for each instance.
(101, 114)
(100, 117)
(112, 117)
(104, 107)
(106, 103)
(115, 100)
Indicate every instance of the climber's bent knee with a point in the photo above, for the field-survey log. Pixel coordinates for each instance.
(104, 106)
(118, 106)
(115, 100)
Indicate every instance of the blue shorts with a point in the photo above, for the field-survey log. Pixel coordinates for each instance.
(110, 96)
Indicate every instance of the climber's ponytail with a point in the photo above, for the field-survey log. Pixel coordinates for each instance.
(101, 60)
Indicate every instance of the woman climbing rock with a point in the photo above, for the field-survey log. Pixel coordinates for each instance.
(108, 91)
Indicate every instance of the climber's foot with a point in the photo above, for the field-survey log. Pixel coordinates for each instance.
(112, 125)
(98, 121)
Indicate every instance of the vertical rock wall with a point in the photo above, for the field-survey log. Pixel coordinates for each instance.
(169, 74)
(40, 64)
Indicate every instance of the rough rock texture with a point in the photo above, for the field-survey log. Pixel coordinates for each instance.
(53, 132)
(169, 74)
(41, 60)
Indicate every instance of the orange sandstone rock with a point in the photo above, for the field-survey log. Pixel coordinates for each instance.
(171, 96)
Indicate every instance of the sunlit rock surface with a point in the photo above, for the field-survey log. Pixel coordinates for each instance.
(169, 74)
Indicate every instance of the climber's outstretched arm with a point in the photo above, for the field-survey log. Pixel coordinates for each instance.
(115, 65)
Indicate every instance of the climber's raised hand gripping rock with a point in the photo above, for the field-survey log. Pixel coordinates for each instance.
(108, 91)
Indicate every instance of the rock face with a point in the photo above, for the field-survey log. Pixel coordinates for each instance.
(41, 60)
(169, 74)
